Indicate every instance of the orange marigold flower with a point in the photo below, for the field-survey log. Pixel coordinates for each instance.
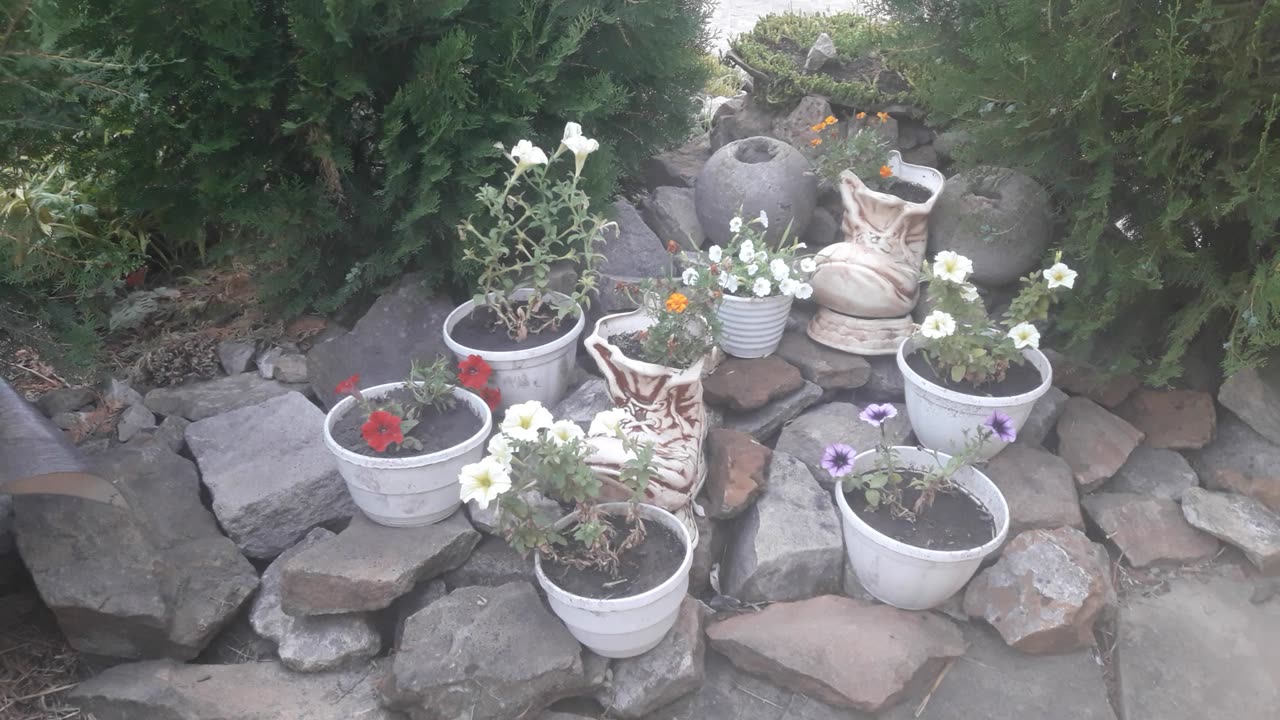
(817, 128)
(884, 116)
(860, 115)
(830, 120)
(677, 303)
(885, 171)
(815, 142)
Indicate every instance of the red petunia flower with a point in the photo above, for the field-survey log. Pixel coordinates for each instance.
(347, 386)
(492, 396)
(474, 372)
(382, 429)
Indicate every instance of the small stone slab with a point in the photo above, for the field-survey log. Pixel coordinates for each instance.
(132, 421)
(271, 477)
(236, 356)
(64, 400)
(671, 215)
(1094, 442)
(789, 544)
(166, 690)
(1237, 520)
(207, 398)
(1148, 530)
(806, 647)
(1242, 461)
(679, 167)
(1044, 418)
(885, 384)
(584, 402)
(740, 384)
(1201, 650)
(291, 368)
(712, 536)
(809, 435)
(368, 565)
(730, 694)
(310, 644)
(663, 675)
(479, 652)
(1079, 378)
(1253, 394)
(632, 250)
(766, 421)
(1038, 487)
(491, 563)
(1155, 472)
(1174, 419)
(737, 468)
(829, 368)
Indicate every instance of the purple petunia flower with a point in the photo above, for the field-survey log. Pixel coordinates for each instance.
(877, 414)
(1001, 426)
(838, 460)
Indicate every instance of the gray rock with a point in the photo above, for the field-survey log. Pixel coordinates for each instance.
(266, 359)
(949, 141)
(1155, 472)
(484, 653)
(158, 580)
(271, 477)
(885, 383)
(663, 675)
(829, 368)
(291, 368)
(1237, 520)
(712, 536)
(1253, 394)
(823, 50)
(671, 214)
(1094, 442)
(172, 432)
(678, 167)
(728, 693)
(489, 520)
(752, 119)
(1038, 487)
(749, 176)
(492, 563)
(403, 325)
(809, 435)
(132, 421)
(912, 134)
(797, 126)
(582, 403)
(633, 250)
(422, 595)
(118, 393)
(204, 399)
(1148, 530)
(310, 644)
(1044, 417)
(1200, 650)
(823, 230)
(764, 422)
(922, 155)
(789, 544)
(1081, 378)
(166, 690)
(367, 566)
(64, 400)
(1240, 460)
(72, 421)
(236, 356)
(998, 218)
(7, 544)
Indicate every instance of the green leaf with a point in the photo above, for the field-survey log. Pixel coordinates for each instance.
(957, 373)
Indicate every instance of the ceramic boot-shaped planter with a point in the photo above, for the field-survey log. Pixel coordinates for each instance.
(867, 285)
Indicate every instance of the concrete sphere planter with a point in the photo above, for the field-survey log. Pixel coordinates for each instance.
(747, 176)
(628, 626)
(752, 327)
(906, 576)
(407, 491)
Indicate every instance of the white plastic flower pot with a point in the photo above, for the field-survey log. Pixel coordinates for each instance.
(407, 491)
(906, 576)
(628, 626)
(752, 327)
(539, 373)
(947, 420)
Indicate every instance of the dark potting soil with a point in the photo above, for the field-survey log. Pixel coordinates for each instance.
(435, 430)
(630, 345)
(909, 191)
(642, 569)
(482, 330)
(1018, 379)
(955, 521)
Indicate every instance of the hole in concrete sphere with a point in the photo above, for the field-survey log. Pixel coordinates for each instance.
(755, 150)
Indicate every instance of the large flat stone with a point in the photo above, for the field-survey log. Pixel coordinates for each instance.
(1148, 530)
(207, 398)
(492, 563)
(1199, 651)
(368, 565)
(789, 544)
(730, 694)
(766, 421)
(678, 167)
(809, 435)
(737, 470)
(1174, 419)
(64, 400)
(632, 250)
(584, 402)
(829, 368)
(1155, 472)
(166, 690)
(663, 675)
(1237, 520)
(1242, 461)
(1253, 394)
(1038, 487)
(1094, 442)
(671, 215)
(740, 384)
(271, 477)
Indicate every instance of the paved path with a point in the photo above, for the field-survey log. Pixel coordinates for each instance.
(734, 17)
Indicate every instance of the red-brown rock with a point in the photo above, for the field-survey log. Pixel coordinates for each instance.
(741, 384)
(1174, 419)
(1094, 442)
(1148, 530)
(737, 470)
(1038, 486)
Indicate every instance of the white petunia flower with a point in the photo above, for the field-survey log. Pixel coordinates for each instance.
(780, 269)
(564, 431)
(577, 144)
(735, 225)
(523, 421)
(761, 256)
(788, 287)
(808, 265)
(970, 293)
(1025, 335)
(572, 130)
(526, 154)
(607, 422)
(763, 220)
(716, 253)
(951, 266)
(500, 450)
(938, 325)
(689, 276)
(801, 246)
(752, 269)
(747, 252)
(762, 287)
(805, 291)
(729, 282)
(1060, 276)
(483, 482)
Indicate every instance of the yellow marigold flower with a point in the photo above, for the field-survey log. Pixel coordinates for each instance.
(885, 171)
(884, 116)
(815, 142)
(676, 302)
(830, 120)
(860, 115)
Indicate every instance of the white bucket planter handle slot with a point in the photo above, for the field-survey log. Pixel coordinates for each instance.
(407, 491)
(539, 373)
(906, 576)
(628, 626)
(941, 417)
(752, 327)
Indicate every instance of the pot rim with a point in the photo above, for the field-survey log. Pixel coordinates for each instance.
(999, 514)
(651, 512)
(936, 187)
(476, 403)
(1033, 355)
(497, 356)
(650, 368)
(756, 300)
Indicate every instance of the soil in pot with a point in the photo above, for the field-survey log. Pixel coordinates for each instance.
(1018, 379)
(642, 569)
(909, 191)
(435, 430)
(955, 520)
(482, 330)
(630, 345)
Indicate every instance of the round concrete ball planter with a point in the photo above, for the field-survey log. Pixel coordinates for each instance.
(628, 626)
(757, 174)
(946, 420)
(540, 372)
(752, 327)
(407, 491)
(910, 577)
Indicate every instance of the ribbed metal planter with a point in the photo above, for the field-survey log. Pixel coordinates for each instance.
(752, 327)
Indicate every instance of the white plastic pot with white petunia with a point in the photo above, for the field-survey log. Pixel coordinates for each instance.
(910, 577)
(752, 327)
(946, 420)
(407, 491)
(627, 626)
